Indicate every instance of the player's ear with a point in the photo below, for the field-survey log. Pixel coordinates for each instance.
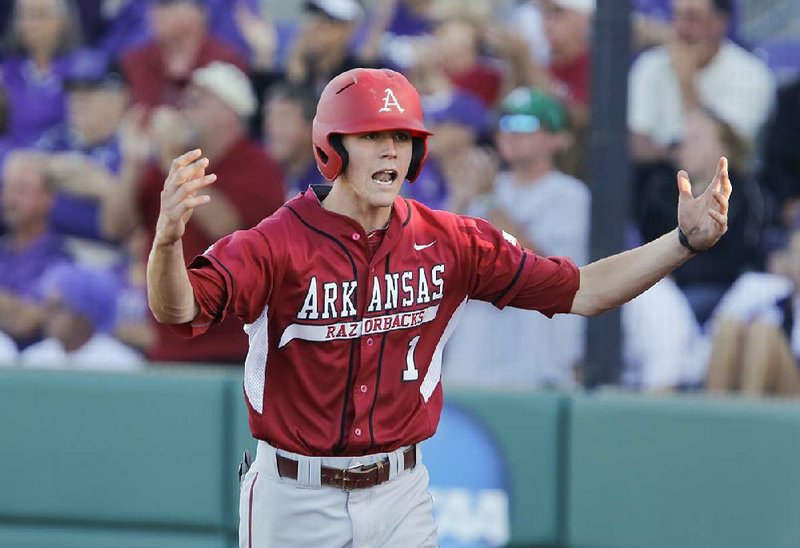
(338, 146)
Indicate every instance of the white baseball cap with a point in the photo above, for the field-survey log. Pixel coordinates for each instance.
(340, 10)
(585, 7)
(230, 84)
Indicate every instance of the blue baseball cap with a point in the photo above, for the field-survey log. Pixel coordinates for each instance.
(90, 68)
(87, 292)
(459, 108)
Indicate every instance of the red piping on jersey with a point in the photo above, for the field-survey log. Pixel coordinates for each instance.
(250, 514)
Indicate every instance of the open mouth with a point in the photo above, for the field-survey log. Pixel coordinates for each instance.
(384, 177)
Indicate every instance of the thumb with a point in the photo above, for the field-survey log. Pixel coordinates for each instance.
(684, 186)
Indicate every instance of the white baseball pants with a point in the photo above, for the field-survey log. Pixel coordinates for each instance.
(281, 512)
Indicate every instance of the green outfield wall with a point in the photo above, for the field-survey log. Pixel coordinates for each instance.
(149, 460)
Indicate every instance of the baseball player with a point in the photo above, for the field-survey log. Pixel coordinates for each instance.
(349, 294)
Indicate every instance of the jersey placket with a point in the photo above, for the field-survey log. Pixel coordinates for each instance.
(366, 378)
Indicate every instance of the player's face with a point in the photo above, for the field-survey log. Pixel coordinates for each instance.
(378, 165)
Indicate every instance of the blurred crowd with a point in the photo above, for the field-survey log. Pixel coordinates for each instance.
(98, 96)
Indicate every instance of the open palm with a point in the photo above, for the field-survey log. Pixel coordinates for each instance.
(704, 219)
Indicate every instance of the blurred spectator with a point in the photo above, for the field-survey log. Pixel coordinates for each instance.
(699, 69)
(456, 48)
(288, 115)
(114, 26)
(548, 212)
(547, 209)
(566, 27)
(457, 168)
(663, 347)
(35, 60)
(161, 68)
(523, 25)
(83, 154)
(780, 164)
(249, 186)
(28, 249)
(756, 338)
(79, 323)
(393, 29)
(319, 48)
(707, 276)
(322, 47)
(117, 25)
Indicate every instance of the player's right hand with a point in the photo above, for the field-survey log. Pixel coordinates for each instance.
(187, 176)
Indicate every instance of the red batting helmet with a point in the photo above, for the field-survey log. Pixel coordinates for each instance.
(362, 100)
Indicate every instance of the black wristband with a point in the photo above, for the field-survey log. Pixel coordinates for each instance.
(685, 242)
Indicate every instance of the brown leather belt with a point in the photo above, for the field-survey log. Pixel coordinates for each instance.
(359, 477)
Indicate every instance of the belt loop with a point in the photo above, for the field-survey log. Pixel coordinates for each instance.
(309, 472)
(396, 464)
(265, 460)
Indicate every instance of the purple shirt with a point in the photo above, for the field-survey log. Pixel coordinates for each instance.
(36, 99)
(430, 188)
(73, 215)
(21, 270)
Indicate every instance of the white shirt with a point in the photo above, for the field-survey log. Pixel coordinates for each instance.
(8, 350)
(736, 85)
(662, 345)
(101, 352)
(554, 213)
(523, 348)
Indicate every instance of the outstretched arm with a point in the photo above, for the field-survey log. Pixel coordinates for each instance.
(169, 292)
(610, 282)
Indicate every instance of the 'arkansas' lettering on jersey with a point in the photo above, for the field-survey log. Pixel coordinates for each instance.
(331, 300)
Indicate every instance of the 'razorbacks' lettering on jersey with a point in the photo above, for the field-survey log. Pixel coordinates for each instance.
(346, 345)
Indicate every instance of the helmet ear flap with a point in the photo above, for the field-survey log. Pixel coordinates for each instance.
(417, 156)
(336, 143)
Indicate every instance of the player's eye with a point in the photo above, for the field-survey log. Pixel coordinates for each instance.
(402, 136)
(372, 136)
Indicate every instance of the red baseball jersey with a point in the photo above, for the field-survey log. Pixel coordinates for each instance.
(346, 341)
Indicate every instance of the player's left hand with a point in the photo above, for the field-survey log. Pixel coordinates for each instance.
(704, 219)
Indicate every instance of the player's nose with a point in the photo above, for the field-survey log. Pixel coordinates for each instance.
(388, 146)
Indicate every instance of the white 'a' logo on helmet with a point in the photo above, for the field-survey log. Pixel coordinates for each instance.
(389, 100)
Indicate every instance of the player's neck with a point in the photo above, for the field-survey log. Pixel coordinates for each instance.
(368, 216)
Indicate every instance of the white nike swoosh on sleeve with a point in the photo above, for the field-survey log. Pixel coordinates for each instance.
(418, 247)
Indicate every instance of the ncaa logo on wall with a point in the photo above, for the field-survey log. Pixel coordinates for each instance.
(469, 483)
(389, 100)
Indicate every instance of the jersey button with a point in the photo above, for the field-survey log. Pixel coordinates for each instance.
(356, 236)
(363, 388)
(370, 341)
(357, 431)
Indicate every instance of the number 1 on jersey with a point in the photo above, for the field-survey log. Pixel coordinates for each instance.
(410, 373)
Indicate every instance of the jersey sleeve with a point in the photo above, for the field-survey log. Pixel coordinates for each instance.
(234, 276)
(505, 274)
